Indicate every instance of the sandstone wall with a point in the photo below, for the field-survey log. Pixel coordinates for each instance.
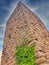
(25, 25)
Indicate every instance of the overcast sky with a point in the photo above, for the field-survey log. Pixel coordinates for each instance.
(39, 7)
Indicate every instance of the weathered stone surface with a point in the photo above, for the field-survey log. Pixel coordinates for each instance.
(39, 54)
(25, 25)
(44, 64)
(40, 60)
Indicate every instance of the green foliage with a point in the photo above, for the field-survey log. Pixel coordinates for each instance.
(25, 55)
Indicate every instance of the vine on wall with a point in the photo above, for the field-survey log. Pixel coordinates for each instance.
(25, 55)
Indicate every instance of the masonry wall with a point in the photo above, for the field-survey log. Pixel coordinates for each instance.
(25, 25)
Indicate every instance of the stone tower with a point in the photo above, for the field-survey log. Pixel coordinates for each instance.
(25, 25)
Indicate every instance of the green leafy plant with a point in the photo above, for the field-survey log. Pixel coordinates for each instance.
(25, 55)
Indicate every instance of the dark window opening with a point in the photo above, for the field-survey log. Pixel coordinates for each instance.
(40, 50)
(9, 36)
(36, 39)
(34, 30)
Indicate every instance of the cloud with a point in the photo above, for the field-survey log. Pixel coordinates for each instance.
(2, 29)
(2, 25)
(1, 45)
(1, 42)
(43, 12)
(1, 35)
(33, 9)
